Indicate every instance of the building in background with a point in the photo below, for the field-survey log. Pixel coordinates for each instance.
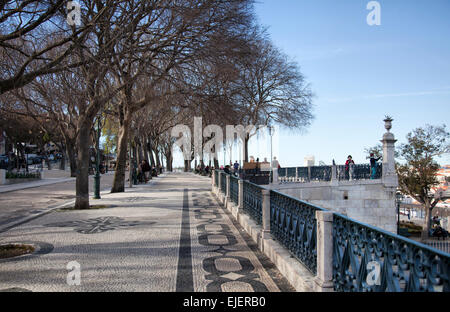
(309, 161)
(443, 177)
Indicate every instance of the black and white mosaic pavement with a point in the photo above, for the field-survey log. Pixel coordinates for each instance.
(170, 235)
(97, 225)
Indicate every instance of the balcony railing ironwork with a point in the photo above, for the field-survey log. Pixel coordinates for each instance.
(223, 182)
(366, 258)
(293, 224)
(253, 201)
(216, 177)
(234, 189)
(321, 173)
(324, 173)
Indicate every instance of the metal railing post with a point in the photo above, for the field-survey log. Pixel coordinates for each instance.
(219, 187)
(324, 278)
(265, 233)
(227, 190)
(241, 195)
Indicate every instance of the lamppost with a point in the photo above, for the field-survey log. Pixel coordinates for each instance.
(97, 164)
(271, 132)
(398, 198)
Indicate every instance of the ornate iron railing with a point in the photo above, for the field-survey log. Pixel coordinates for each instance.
(253, 201)
(282, 172)
(359, 172)
(293, 174)
(234, 189)
(293, 224)
(324, 173)
(363, 172)
(321, 173)
(341, 174)
(223, 182)
(366, 258)
(216, 178)
(302, 174)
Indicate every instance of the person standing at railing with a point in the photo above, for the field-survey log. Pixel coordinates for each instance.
(373, 165)
(236, 167)
(348, 164)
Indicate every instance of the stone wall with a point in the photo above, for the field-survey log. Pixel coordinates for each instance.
(368, 201)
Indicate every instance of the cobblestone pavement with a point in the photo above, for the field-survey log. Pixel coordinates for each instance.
(170, 235)
(17, 205)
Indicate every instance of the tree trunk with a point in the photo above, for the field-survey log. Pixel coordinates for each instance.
(427, 223)
(158, 162)
(82, 179)
(247, 138)
(122, 144)
(62, 163)
(150, 151)
(132, 165)
(145, 149)
(187, 165)
(169, 160)
(72, 159)
(140, 152)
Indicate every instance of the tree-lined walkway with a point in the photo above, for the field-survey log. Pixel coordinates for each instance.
(170, 235)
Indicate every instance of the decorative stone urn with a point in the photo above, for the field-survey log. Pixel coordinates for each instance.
(388, 123)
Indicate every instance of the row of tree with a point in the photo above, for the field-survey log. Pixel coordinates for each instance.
(141, 67)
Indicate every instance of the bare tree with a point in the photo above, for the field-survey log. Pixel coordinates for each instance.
(170, 37)
(31, 33)
(273, 90)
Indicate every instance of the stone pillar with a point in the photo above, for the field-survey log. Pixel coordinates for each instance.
(275, 176)
(351, 168)
(265, 233)
(219, 187)
(2, 177)
(389, 176)
(334, 179)
(213, 181)
(241, 195)
(324, 278)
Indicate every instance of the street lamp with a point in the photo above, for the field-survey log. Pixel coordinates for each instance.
(97, 164)
(398, 199)
(271, 132)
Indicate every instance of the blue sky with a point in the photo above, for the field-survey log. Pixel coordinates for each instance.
(360, 73)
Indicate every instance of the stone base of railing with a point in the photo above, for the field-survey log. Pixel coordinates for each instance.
(295, 272)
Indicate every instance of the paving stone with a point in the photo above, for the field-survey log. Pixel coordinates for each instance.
(170, 235)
